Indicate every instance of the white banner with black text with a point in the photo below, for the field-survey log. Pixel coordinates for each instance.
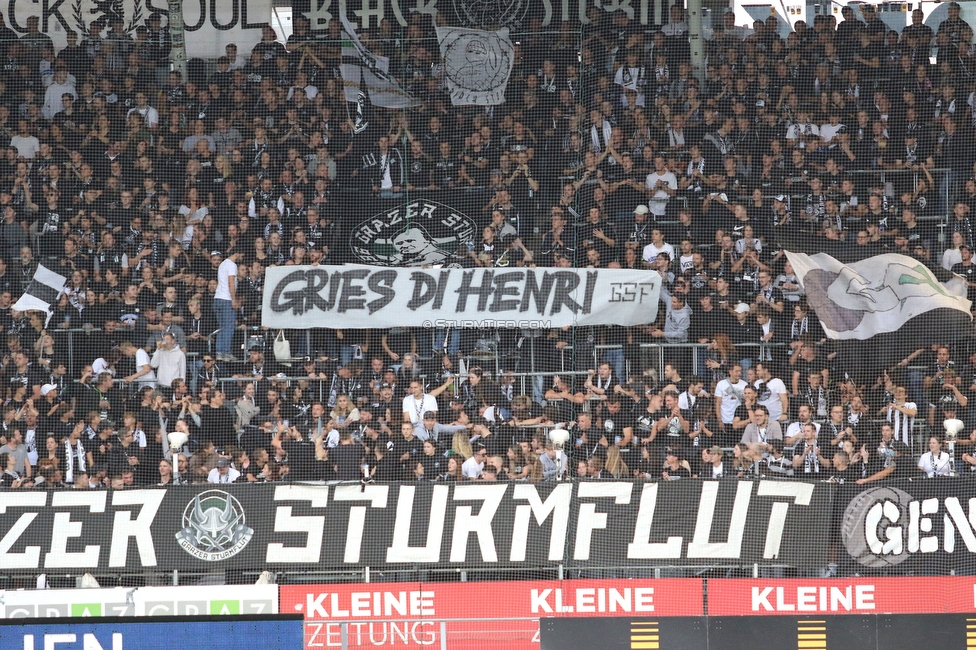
(210, 26)
(369, 297)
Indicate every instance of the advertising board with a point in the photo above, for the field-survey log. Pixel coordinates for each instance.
(271, 632)
(473, 615)
(800, 596)
(231, 600)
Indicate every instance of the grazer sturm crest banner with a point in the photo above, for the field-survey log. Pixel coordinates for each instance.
(477, 64)
(417, 233)
(209, 26)
(354, 296)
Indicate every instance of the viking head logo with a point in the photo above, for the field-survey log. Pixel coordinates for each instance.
(213, 526)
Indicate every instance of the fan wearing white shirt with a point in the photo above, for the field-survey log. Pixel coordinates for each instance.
(417, 403)
(935, 462)
(224, 472)
(474, 467)
(661, 185)
(830, 130)
(656, 247)
(794, 432)
(728, 397)
(772, 393)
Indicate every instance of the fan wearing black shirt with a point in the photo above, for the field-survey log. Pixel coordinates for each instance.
(600, 383)
(407, 449)
(841, 469)
(218, 422)
(302, 455)
(346, 458)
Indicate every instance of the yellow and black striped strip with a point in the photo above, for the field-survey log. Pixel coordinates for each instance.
(645, 635)
(811, 635)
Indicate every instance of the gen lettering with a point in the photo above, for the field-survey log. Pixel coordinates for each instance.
(87, 641)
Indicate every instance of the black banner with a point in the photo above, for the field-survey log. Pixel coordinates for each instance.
(387, 526)
(846, 632)
(672, 632)
(924, 525)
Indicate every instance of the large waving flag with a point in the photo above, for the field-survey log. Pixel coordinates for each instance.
(364, 71)
(44, 291)
(876, 295)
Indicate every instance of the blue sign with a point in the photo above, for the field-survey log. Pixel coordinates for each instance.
(205, 633)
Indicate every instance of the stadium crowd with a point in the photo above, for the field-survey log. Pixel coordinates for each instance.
(163, 202)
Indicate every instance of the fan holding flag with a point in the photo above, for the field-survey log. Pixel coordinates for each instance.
(42, 293)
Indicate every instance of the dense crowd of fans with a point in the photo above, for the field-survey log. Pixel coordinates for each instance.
(163, 202)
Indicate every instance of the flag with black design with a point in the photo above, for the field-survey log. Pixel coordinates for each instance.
(879, 309)
(361, 122)
(43, 292)
(363, 70)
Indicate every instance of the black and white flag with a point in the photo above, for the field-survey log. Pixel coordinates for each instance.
(363, 70)
(44, 291)
(477, 64)
(880, 294)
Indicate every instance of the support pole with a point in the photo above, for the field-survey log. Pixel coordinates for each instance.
(696, 40)
(177, 38)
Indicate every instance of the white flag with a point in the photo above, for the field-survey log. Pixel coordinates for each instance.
(360, 67)
(871, 296)
(44, 290)
(477, 64)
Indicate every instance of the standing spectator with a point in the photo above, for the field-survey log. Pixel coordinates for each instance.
(661, 185)
(761, 430)
(168, 361)
(901, 413)
(728, 397)
(223, 472)
(226, 304)
(55, 93)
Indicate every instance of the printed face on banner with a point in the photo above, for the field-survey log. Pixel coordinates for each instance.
(477, 64)
(419, 233)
